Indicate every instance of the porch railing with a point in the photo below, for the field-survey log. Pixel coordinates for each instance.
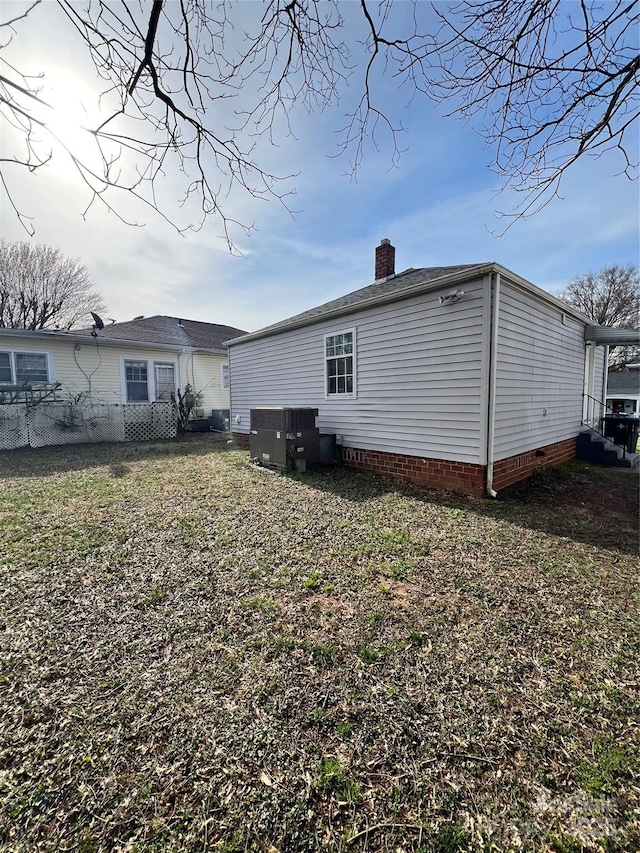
(595, 422)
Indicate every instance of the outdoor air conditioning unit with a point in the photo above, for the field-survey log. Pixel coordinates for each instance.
(284, 438)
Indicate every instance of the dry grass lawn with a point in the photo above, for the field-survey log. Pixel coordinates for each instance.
(200, 655)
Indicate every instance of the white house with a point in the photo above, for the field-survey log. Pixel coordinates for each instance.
(132, 365)
(623, 390)
(141, 361)
(464, 377)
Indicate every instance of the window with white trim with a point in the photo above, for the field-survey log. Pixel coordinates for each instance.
(224, 375)
(339, 355)
(146, 381)
(165, 376)
(136, 375)
(6, 375)
(24, 368)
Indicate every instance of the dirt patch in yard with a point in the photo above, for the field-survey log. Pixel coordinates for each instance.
(596, 492)
(196, 656)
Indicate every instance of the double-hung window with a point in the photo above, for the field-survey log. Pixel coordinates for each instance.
(24, 368)
(224, 375)
(146, 381)
(339, 355)
(137, 379)
(6, 374)
(165, 376)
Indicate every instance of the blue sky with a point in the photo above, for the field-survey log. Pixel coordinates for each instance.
(437, 207)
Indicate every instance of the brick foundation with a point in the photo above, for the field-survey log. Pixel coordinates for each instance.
(506, 472)
(458, 476)
(241, 439)
(445, 474)
(430, 473)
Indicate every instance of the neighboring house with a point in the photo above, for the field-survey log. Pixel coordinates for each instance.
(142, 361)
(623, 390)
(464, 377)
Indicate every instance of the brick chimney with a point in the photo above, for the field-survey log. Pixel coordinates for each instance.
(385, 260)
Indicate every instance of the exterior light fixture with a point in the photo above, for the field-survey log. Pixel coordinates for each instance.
(451, 297)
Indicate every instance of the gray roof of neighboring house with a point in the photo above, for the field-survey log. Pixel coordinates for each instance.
(623, 382)
(169, 330)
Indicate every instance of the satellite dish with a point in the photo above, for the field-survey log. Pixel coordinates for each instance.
(98, 325)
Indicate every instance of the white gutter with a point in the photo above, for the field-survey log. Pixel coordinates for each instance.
(42, 335)
(493, 362)
(614, 337)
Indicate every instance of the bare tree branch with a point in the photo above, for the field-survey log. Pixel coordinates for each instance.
(557, 81)
(40, 288)
(610, 297)
(551, 81)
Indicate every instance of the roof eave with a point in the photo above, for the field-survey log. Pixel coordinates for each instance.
(542, 294)
(613, 337)
(44, 335)
(384, 299)
(416, 290)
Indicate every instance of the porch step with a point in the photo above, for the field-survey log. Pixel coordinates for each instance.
(593, 447)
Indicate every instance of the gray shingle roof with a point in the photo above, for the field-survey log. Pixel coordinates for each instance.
(394, 286)
(170, 330)
(623, 382)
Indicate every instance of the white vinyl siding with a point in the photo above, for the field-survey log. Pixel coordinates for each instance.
(87, 369)
(93, 368)
(539, 374)
(203, 371)
(419, 377)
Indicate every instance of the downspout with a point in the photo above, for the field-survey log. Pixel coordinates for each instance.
(230, 386)
(180, 382)
(493, 361)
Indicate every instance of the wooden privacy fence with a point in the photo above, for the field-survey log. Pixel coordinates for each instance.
(54, 422)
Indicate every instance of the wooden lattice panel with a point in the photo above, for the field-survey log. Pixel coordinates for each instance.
(155, 421)
(56, 422)
(14, 431)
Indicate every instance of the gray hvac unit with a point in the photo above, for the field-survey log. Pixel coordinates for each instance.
(220, 420)
(284, 438)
